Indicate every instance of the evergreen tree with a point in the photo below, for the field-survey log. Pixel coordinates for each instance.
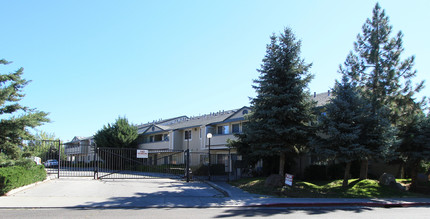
(282, 110)
(346, 131)
(416, 143)
(16, 120)
(340, 127)
(121, 134)
(386, 80)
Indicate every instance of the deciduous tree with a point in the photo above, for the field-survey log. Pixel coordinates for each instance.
(120, 134)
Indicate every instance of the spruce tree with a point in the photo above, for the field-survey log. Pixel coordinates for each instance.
(386, 80)
(340, 128)
(416, 144)
(282, 109)
(16, 120)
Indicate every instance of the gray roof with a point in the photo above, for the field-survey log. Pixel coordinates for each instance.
(322, 98)
(189, 122)
(183, 122)
(79, 138)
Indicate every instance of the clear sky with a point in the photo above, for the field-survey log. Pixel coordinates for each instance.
(92, 61)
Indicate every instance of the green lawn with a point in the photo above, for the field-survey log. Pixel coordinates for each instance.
(325, 189)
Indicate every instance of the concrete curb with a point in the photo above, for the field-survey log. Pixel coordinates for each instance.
(344, 204)
(224, 191)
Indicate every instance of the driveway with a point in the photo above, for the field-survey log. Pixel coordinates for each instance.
(90, 193)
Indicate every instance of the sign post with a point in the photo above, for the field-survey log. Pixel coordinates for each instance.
(142, 154)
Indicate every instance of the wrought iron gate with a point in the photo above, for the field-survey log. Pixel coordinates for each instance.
(123, 163)
(107, 163)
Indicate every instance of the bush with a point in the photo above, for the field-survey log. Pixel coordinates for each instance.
(216, 169)
(315, 172)
(16, 176)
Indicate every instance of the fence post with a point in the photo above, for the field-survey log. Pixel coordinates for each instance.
(97, 151)
(187, 165)
(59, 158)
(94, 160)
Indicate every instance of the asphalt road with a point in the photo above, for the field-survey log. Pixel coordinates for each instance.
(199, 213)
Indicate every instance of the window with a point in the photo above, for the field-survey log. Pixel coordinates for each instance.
(158, 138)
(151, 138)
(187, 135)
(223, 130)
(166, 137)
(235, 128)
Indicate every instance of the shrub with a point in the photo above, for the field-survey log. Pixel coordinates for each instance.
(216, 169)
(316, 172)
(16, 176)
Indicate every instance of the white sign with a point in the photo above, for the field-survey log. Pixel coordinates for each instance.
(289, 179)
(142, 154)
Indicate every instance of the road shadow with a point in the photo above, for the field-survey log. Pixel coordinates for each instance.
(267, 212)
(175, 195)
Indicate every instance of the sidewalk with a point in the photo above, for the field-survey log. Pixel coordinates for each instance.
(167, 193)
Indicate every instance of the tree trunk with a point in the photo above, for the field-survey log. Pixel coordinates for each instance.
(401, 171)
(282, 164)
(414, 176)
(346, 175)
(364, 169)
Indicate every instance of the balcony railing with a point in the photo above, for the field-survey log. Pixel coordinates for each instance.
(155, 145)
(78, 149)
(220, 140)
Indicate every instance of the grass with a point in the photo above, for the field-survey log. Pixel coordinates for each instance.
(326, 189)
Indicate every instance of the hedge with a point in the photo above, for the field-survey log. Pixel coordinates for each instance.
(16, 176)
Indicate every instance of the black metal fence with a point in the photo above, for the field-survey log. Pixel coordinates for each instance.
(68, 160)
(123, 163)
(77, 161)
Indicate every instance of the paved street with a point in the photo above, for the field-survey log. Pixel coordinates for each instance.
(86, 193)
(199, 213)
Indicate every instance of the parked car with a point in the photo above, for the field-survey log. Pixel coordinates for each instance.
(51, 163)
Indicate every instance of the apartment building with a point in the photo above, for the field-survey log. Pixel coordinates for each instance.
(182, 133)
(163, 137)
(80, 149)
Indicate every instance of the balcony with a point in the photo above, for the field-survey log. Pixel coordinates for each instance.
(78, 150)
(154, 145)
(220, 140)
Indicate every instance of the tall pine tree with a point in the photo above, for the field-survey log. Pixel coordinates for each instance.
(386, 80)
(16, 120)
(282, 110)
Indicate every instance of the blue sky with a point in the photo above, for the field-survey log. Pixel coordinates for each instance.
(92, 61)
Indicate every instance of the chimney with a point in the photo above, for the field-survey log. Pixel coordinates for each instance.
(328, 92)
(315, 94)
